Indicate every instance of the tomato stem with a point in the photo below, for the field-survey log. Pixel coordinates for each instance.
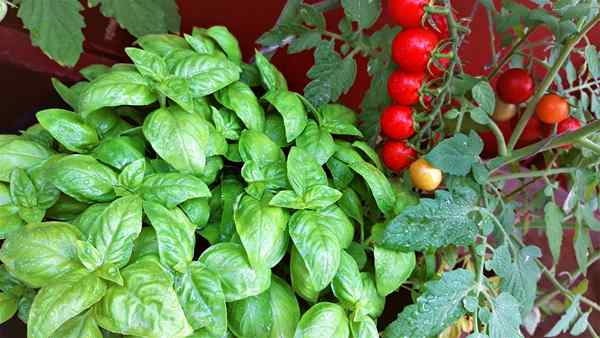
(499, 138)
(562, 58)
(586, 143)
(437, 10)
(530, 174)
(512, 51)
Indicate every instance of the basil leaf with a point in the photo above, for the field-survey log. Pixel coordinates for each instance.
(285, 310)
(291, 108)
(131, 178)
(22, 190)
(89, 256)
(347, 284)
(148, 64)
(119, 151)
(271, 77)
(197, 210)
(315, 197)
(115, 228)
(172, 189)
(339, 120)
(264, 163)
(83, 325)
(317, 142)
(117, 88)
(41, 253)
(240, 98)
(106, 122)
(318, 246)
(227, 42)
(302, 281)
(132, 309)
(351, 204)
(175, 235)
(66, 209)
(342, 174)
(10, 221)
(365, 328)
(380, 186)
(201, 297)
(392, 268)
(200, 43)
(180, 139)
(20, 153)
(162, 44)
(227, 123)
(145, 244)
(83, 178)
(197, 64)
(275, 130)
(68, 129)
(251, 317)
(59, 302)
(8, 307)
(238, 278)
(304, 171)
(5, 198)
(323, 320)
(370, 303)
(262, 230)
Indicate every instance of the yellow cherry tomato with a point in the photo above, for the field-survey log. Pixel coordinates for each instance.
(424, 176)
(504, 111)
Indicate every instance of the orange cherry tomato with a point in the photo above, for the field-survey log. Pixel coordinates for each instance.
(424, 176)
(552, 109)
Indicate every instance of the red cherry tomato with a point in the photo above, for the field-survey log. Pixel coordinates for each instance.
(398, 155)
(404, 87)
(397, 122)
(552, 109)
(412, 48)
(533, 132)
(570, 124)
(407, 13)
(515, 86)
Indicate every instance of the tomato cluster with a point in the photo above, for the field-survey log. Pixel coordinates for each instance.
(515, 87)
(412, 51)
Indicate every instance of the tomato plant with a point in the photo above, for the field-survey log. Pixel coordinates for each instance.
(397, 155)
(404, 86)
(515, 86)
(397, 122)
(412, 48)
(552, 109)
(424, 176)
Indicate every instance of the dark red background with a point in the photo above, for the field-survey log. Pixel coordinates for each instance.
(25, 70)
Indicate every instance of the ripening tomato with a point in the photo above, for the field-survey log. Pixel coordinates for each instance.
(412, 48)
(515, 86)
(397, 155)
(552, 109)
(407, 13)
(570, 124)
(424, 176)
(404, 87)
(504, 111)
(397, 122)
(533, 132)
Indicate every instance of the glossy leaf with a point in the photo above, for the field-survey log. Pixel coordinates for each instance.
(392, 268)
(291, 108)
(84, 178)
(252, 316)
(347, 284)
(172, 189)
(69, 129)
(285, 310)
(323, 320)
(239, 98)
(20, 153)
(83, 325)
(317, 142)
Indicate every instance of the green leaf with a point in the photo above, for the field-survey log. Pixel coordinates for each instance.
(342, 174)
(227, 42)
(83, 178)
(582, 244)
(22, 190)
(581, 325)
(262, 230)
(163, 44)
(302, 281)
(365, 12)
(371, 303)
(365, 328)
(518, 277)
(252, 316)
(69, 95)
(591, 57)
(120, 151)
(271, 77)
(147, 63)
(132, 177)
(565, 321)
(392, 268)
(380, 187)
(291, 108)
(323, 320)
(318, 246)
(457, 154)
(331, 76)
(484, 96)
(197, 67)
(114, 230)
(433, 223)
(304, 171)
(439, 306)
(93, 71)
(238, 278)
(42, 253)
(83, 325)
(57, 303)
(351, 204)
(175, 235)
(89, 256)
(145, 244)
(347, 284)
(146, 305)
(338, 119)
(20, 153)
(172, 189)
(8, 307)
(117, 88)
(312, 17)
(284, 309)
(357, 251)
(143, 17)
(55, 27)
(505, 320)
(227, 123)
(180, 139)
(304, 41)
(317, 142)
(201, 297)
(200, 42)
(553, 217)
(240, 98)
(264, 161)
